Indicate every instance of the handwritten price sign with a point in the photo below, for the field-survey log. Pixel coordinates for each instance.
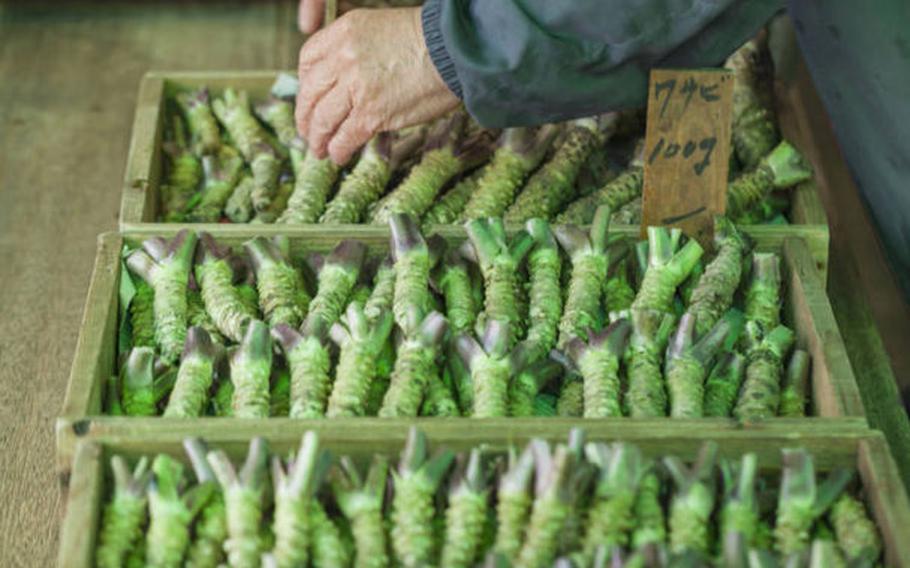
(687, 148)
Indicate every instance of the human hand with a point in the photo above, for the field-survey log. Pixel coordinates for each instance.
(309, 15)
(366, 73)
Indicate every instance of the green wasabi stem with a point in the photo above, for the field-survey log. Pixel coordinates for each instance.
(415, 484)
(825, 554)
(337, 275)
(222, 171)
(223, 399)
(361, 502)
(196, 107)
(754, 129)
(615, 194)
(553, 185)
(294, 490)
(520, 151)
(381, 158)
(693, 502)
(687, 365)
(618, 291)
(166, 265)
(628, 214)
(713, 295)
(383, 293)
(439, 400)
(251, 367)
(527, 384)
(667, 269)
(760, 394)
(739, 513)
(452, 277)
(513, 503)
(124, 515)
(650, 527)
(278, 113)
(856, 533)
(598, 362)
(282, 295)
(309, 362)
(448, 208)
(243, 495)
(447, 152)
(784, 167)
(142, 315)
(590, 257)
(239, 206)
(466, 513)
(646, 396)
(184, 175)
(222, 300)
(361, 344)
(571, 400)
(280, 391)
(329, 549)
(279, 203)
(545, 306)
(763, 293)
(314, 179)
(194, 379)
(415, 367)
(207, 548)
(233, 111)
(412, 272)
(498, 260)
(138, 378)
(491, 366)
(722, 386)
(170, 513)
(801, 502)
(795, 384)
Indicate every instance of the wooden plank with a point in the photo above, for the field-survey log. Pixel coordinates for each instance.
(79, 531)
(887, 496)
(143, 161)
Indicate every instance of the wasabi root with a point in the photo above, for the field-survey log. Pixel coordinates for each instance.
(383, 292)
(713, 295)
(309, 362)
(185, 173)
(646, 395)
(448, 208)
(361, 502)
(222, 299)
(513, 505)
(763, 293)
(723, 384)
(491, 367)
(667, 269)
(754, 131)
(124, 515)
(337, 276)
(739, 514)
(207, 548)
(142, 315)
(453, 278)
(170, 513)
(222, 172)
(194, 379)
(545, 305)
(465, 515)
(796, 383)
(314, 179)
(137, 383)
(239, 206)
(251, 367)
(784, 167)
(412, 272)
(693, 501)
(598, 362)
(415, 367)
(688, 362)
(282, 295)
(294, 489)
(615, 194)
(196, 107)
(760, 394)
(528, 382)
(856, 533)
(651, 525)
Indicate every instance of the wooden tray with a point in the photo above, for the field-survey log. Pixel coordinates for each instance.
(887, 500)
(834, 389)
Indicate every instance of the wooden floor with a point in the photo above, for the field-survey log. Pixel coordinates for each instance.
(69, 73)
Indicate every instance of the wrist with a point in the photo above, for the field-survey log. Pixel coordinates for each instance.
(428, 19)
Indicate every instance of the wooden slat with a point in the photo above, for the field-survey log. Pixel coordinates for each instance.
(80, 525)
(888, 498)
(143, 169)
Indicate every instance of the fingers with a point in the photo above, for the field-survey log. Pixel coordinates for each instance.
(310, 14)
(352, 134)
(313, 87)
(328, 115)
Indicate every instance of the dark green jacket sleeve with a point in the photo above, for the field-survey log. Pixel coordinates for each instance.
(522, 62)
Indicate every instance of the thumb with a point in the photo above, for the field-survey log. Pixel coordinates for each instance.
(309, 15)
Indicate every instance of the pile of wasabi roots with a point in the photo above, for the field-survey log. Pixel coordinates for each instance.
(232, 159)
(574, 504)
(542, 321)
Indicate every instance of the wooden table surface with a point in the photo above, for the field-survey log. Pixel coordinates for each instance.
(69, 74)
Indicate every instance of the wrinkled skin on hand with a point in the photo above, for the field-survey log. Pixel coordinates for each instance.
(366, 73)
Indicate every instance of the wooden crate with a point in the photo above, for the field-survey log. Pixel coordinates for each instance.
(834, 390)
(886, 497)
(144, 163)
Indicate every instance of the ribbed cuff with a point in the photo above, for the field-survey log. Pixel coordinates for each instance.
(432, 35)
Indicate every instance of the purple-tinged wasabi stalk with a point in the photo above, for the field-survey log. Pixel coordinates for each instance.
(170, 513)
(447, 152)
(411, 298)
(361, 188)
(553, 185)
(513, 503)
(166, 266)
(183, 177)
(239, 206)
(282, 295)
(124, 515)
(598, 362)
(233, 110)
(784, 167)
(498, 260)
(415, 484)
(687, 365)
(616, 194)
(142, 315)
(646, 396)
(763, 292)
(207, 548)
(693, 501)
(448, 208)
(215, 276)
(196, 107)
(650, 527)
(795, 384)
(338, 273)
(222, 172)
(243, 497)
(760, 393)
(360, 343)
(545, 305)
(722, 386)
(491, 365)
(314, 179)
(856, 533)
(383, 292)
(466, 514)
(452, 278)
(801, 502)
(279, 203)
(294, 491)
(754, 129)
(251, 367)
(739, 514)
(138, 379)
(590, 257)
(527, 383)
(667, 269)
(520, 151)
(361, 502)
(713, 295)
(194, 378)
(415, 367)
(309, 362)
